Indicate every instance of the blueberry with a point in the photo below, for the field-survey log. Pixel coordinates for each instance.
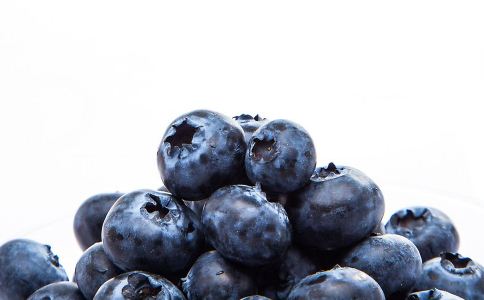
(255, 297)
(89, 218)
(428, 228)
(152, 231)
(433, 294)
(392, 260)
(281, 156)
(250, 124)
(93, 269)
(200, 152)
(26, 266)
(138, 286)
(58, 291)
(339, 207)
(244, 227)
(213, 277)
(337, 284)
(294, 266)
(455, 274)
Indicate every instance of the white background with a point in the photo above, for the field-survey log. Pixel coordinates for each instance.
(87, 89)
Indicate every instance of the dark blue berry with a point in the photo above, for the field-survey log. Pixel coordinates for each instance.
(93, 269)
(392, 260)
(337, 284)
(58, 291)
(152, 231)
(89, 218)
(428, 228)
(244, 227)
(138, 286)
(255, 297)
(281, 156)
(455, 274)
(200, 152)
(26, 266)
(212, 278)
(433, 294)
(250, 124)
(339, 207)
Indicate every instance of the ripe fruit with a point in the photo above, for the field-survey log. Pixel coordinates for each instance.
(89, 218)
(152, 231)
(138, 286)
(200, 152)
(392, 260)
(455, 274)
(433, 294)
(339, 207)
(280, 156)
(93, 269)
(337, 284)
(26, 266)
(244, 227)
(58, 291)
(212, 277)
(428, 228)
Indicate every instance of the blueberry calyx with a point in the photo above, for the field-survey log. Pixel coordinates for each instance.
(139, 287)
(411, 218)
(264, 150)
(433, 294)
(330, 172)
(157, 211)
(181, 138)
(247, 117)
(54, 259)
(457, 264)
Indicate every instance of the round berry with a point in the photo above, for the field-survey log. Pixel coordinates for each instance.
(339, 207)
(200, 152)
(280, 156)
(244, 227)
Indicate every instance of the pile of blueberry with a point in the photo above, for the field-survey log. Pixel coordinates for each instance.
(244, 213)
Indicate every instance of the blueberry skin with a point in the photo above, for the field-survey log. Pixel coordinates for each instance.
(428, 228)
(26, 266)
(58, 291)
(152, 231)
(339, 207)
(281, 156)
(90, 216)
(250, 124)
(255, 297)
(337, 284)
(93, 269)
(392, 260)
(455, 274)
(213, 277)
(295, 265)
(201, 142)
(244, 227)
(138, 286)
(433, 294)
